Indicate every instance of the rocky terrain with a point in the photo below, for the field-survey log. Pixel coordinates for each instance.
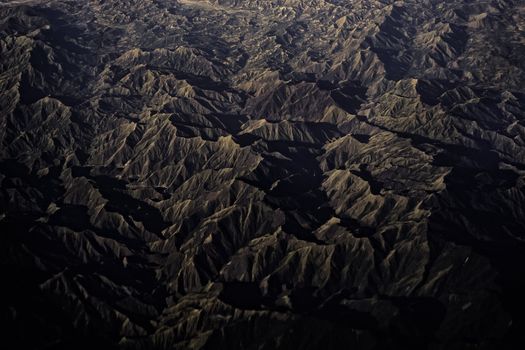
(262, 174)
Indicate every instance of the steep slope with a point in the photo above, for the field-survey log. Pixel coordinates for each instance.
(248, 174)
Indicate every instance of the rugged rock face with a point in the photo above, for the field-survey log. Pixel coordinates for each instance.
(263, 174)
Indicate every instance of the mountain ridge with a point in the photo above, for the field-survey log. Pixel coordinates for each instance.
(263, 174)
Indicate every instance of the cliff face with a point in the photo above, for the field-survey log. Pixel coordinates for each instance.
(276, 174)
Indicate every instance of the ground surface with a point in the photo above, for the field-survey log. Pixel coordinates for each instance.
(277, 174)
